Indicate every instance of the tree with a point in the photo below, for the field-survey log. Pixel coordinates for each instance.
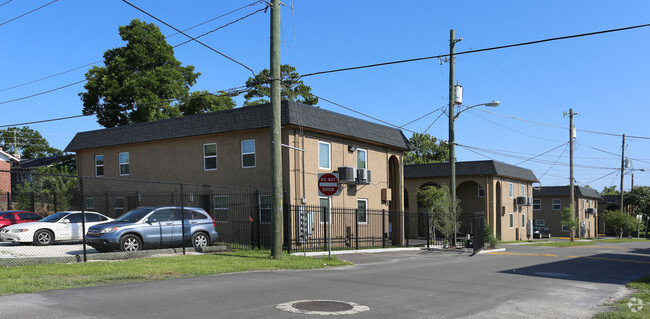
(426, 149)
(53, 185)
(621, 222)
(29, 143)
(138, 81)
(445, 215)
(293, 89)
(639, 200)
(570, 221)
(203, 101)
(611, 190)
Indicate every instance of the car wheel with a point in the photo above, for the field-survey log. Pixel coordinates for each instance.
(549, 235)
(200, 240)
(130, 243)
(43, 237)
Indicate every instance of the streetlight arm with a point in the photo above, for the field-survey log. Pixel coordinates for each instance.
(490, 104)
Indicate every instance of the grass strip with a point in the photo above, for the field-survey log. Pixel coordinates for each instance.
(33, 278)
(636, 306)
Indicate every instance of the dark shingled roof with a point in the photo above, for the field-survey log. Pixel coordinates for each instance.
(472, 168)
(243, 118)
(613, 199)
(564, 191)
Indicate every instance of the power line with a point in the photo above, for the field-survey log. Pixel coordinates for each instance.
(423, 116)
(24, 14)
(166, 37)
(536, 156)
(477, 50)
(41, 93)
(2, 4)
(193, 39)
(507, 128)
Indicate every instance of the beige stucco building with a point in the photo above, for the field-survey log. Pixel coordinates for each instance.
(233, 148)
(548, 202)
(502, 191)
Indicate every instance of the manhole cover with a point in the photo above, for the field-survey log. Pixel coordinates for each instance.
(322, 307)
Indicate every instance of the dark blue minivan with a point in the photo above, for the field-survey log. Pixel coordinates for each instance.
(154, 227)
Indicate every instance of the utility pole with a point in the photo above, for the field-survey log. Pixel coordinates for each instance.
(572, 192)
(622, 171)
(452, 105)
(276, 136)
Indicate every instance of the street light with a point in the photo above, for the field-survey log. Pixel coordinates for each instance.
(452, 149)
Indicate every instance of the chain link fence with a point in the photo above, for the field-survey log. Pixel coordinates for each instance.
(170, 215)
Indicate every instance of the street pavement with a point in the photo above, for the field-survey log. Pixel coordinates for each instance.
(522, 282)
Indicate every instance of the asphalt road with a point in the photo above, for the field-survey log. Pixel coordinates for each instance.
(525, 282)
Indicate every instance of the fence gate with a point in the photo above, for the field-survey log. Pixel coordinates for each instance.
(479, 231)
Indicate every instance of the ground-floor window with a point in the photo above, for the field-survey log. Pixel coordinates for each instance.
(512, 220)
(539, 222)
(564, 228)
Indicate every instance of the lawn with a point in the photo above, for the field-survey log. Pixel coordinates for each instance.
(622, 240)
(638, 301)
(25, 279)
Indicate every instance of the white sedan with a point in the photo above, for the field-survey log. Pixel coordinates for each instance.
(56, 227)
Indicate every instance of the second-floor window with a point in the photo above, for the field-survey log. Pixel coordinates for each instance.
(523, 190)
(210, 157)
(247, 153)
(537, 204)
(511, 190)
(557, 204)
(99, 165)
(362, 159)
(324, 155)
(124, 164)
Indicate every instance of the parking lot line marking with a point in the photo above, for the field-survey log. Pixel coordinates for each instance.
(606, 247)
(522, 254)
(611, 259)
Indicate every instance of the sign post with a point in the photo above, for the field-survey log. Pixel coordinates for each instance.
(328, 185)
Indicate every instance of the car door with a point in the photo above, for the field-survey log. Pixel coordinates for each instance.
(161, 227)
(178, 226)
(74, 227)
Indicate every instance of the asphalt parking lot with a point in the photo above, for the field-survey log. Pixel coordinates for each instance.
(15, 250)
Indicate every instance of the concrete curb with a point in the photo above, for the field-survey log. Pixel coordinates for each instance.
(496, 250)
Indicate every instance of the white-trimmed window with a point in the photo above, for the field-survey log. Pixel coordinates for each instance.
(523, 220)
(247, 153)
(540, 222)
(512, 190)
(210, 157)
(99, 165)
(564, 228)
(220, 208)
(324, 213)
(537, 204)
(362, 158)
(523, 190)
(124, 163)
(119, 206)
(266, 208)
(362, 211)
(481, 191)
(512, 220)
(90, 203)
(324, 155)
(557, 204)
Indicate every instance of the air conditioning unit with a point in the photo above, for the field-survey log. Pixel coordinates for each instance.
(592, 211)
(529, 201)
(523, 201)
(347, 175)
(363, 176)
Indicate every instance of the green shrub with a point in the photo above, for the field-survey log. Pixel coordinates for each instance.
(489, 237)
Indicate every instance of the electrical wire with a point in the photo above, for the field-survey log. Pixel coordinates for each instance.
(166, 37)
(536, 156)
(477, 50)
(434, 122)
(2, 4)
(511, 129)
(599, 178)
(193, 39)
(24, 14)
(41, 93)
(423, 116)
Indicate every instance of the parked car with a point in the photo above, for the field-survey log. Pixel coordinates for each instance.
(154, 227)
(11, 217)
(541, 231)
(56, 227)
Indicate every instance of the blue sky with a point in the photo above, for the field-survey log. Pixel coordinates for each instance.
(604, 78)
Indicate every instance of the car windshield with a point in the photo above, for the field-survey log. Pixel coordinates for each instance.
(134, 215)
(54, 217)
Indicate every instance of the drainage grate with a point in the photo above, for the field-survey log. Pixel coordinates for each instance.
(322, 307)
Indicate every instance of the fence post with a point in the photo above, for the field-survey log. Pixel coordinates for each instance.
(9, 199)
(356, 228)
(259, 219)
(406, 227)
(287, 222)
(83, 215)
(31, 201)
(325, 220)
(56, 208)
(428, 230)
(182, 220)
(384, 235)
